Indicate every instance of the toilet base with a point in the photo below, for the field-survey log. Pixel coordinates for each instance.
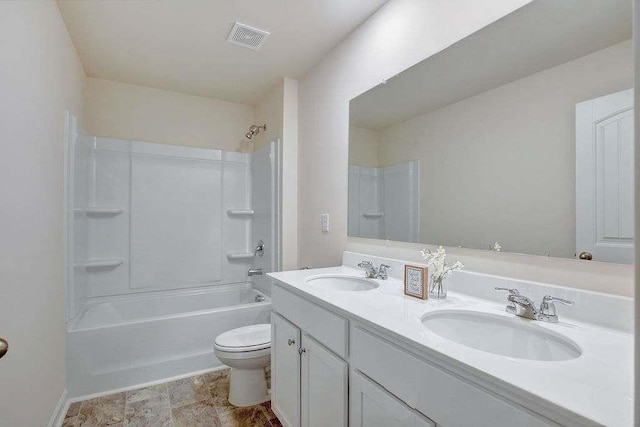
(247, 387)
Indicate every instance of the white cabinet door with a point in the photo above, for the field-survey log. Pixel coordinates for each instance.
(324, 386)
(604, 177)
(373, 406)
(285, 371)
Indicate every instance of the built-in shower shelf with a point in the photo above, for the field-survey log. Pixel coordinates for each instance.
(240, 256)
(94, 264)
(100, 211)
(373, 215)
(241, 213)
(103, 211)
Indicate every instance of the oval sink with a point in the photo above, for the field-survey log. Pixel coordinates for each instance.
(342, 283)
(512, 337)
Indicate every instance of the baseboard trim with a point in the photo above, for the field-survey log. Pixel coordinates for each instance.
(57, 418)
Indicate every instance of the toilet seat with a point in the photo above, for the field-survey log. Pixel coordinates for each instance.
(251, 338)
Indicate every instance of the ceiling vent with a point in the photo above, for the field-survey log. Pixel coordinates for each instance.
(244, 35)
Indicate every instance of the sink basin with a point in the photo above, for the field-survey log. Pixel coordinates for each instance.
(512, 337)
(342, 283)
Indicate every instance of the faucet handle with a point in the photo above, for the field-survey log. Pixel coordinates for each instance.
(382, 271)
(548, 308)
(549, 298)
(512, 291)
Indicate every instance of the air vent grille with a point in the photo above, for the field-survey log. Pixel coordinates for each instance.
(244, 35)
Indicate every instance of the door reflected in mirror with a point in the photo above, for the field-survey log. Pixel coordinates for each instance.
(518, 138)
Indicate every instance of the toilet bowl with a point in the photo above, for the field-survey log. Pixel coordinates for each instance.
(247, 351)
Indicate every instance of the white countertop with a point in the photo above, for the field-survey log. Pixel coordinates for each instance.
(598, 385)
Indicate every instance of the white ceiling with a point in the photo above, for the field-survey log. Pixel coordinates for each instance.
(180, 45)
(538, 36)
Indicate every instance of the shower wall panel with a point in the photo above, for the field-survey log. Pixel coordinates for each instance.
(146, 217)
(176, 233)
(109, 178)
(402, 202)
(384, 202)
(79, 151)
(265, 194)
(366, 198)
(236, 231)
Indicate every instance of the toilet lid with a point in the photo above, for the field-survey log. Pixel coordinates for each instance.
(254, 337)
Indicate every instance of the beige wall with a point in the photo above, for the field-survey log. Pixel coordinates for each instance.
(363, 147)
(125, 111)
(510, 154)
(270, 110)
(40, 77)
(400, 34)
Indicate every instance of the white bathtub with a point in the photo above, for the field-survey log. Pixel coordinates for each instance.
(120, 342)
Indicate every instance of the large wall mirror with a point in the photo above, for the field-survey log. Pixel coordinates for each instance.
(518, 138)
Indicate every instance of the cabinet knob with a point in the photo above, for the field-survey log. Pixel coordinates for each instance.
(291, 342)
(302, 350)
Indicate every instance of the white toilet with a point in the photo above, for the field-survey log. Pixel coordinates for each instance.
(247, 351)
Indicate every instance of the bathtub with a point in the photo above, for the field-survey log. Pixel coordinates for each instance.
(121, 342)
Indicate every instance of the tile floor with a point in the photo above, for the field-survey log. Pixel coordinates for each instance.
(200, 400)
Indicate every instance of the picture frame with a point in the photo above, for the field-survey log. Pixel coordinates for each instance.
(416, 281)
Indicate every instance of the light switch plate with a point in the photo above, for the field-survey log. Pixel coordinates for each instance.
(325, 223)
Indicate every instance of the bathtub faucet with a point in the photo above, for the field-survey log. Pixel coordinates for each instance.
(254, 272)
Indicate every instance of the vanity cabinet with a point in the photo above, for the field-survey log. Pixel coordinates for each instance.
(331, 370)
(443, 395)
(309, 377)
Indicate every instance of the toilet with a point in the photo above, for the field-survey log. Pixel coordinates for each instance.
(247, 351)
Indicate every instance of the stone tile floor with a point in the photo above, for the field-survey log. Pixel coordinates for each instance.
(200, 400)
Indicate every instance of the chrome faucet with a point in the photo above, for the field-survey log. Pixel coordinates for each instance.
(371, 272)
(511, 306)
(524, 307)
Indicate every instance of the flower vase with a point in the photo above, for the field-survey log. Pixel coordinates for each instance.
(437, 289)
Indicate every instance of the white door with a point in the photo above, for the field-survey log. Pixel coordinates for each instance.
(285, 371)
(373, 406)
(324, 386)
(604, 178)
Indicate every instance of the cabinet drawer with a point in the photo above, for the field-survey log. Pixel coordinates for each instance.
(443, 397)
(324, 326)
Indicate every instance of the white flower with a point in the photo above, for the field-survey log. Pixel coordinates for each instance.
(496, 247)
(437, 262)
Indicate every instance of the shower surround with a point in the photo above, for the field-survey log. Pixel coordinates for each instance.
(159, 241)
